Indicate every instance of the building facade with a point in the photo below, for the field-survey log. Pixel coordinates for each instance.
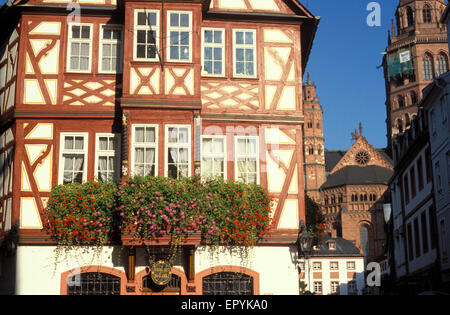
(436, 104)
(162, 88)
(417, 52)
(414, 212)
(335, 268)
(354, 193)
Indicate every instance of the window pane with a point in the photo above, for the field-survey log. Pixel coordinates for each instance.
(150, 135)
(85, 32)
(217, 37)
(208, 36)
(142, 18)
(68, 143)
(84, 51)
(140, 53)
(183, 135)
(68, 163)
(184, 20)
(79, 143)
(139, 134)
(217, 68)
(103, 143)
(106, 64)
(240, 54)
(184, 38)
(102, 163)
(207, 145)
(249, 38)
(174, 53)
(173, 135)
(174, 19)
(76, 31)
(218, 145)
(141, 36)
(152, 18)
(241, 146)
(239, 38)
(106, 50)
(107, 33)
(183, 155)
(217, 53)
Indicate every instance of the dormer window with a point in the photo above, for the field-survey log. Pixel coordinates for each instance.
(332, 245)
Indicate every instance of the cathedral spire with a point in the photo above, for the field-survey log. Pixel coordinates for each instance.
(393, 29)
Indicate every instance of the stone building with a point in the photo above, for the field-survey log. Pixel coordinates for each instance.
(417, 52)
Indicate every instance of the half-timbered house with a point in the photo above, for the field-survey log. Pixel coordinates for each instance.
(105, 89)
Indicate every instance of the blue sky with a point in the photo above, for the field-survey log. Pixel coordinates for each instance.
(343, 64)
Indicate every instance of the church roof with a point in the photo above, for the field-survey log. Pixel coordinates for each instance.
(343, 247)
(332, 157)
(359, 175)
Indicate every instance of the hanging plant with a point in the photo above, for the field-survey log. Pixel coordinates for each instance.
(80, 214)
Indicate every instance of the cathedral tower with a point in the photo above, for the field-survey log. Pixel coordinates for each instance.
(417, 52)
(313, 141)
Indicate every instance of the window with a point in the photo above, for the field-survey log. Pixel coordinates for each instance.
(110, 49)
(146, 38)
(334, 287)
(412, 174)
(438, 177)
(441, 64)
(423, 222)
(178, 157)
(213, 156)
(318, 287)
(416, 236)
(410, 16)
(317, 265)
(350, 265)
(410, 243)
(179, 31)
(244, 51)
(333, 199)
(420, 173)
(428, 165)
(80, 46)
(213, 51)
(427, 67)
(399, 125)
(352, 288)
(340, 198)
(334, 265)
(311, 150)
(444, 240)
(426, 12)
(401, 101)
(406, 188)
(431, 220)
(73, 157)
(93, 283)
(310, 124)
(107, 161)
(413, 97)
(144, 150)
(247, 168)
(227, 283)
(326, 200)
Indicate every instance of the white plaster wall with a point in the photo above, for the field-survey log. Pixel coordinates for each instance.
(36, 272)
(277, 271)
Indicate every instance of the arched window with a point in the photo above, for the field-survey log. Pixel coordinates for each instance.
(399, 125)
(410, 16)
(319, 150)
(333, 199)
(427, 67)
(401, 101)
(407, 120)
(309, 124)
(227, 283)
(311, 150)
(413, 97)
(441, 64)
(426, 14)
(93, 283)
(326, 200)
(340, 198)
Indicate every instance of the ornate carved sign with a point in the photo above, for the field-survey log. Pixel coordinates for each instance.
(161, 272)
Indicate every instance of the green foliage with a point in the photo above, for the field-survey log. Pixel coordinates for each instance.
(314, 220)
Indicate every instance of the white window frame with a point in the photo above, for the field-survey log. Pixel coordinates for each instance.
(213, 155)
(253, 46)
(179, 29)
(79, 40)
(236, 156)
(140, 145)
(213, 45)
(348, 265)
(331, 265)
(334, 289)
(119, 43)
(167, 146)
(315, 264)
(114, 153)
(62, 151)
(146, 28)
(321, 286)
